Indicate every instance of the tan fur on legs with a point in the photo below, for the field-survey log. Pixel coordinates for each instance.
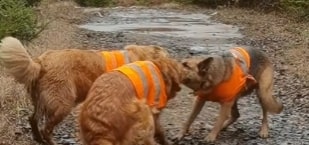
(268, 102)
(143, 132)
(224, 114)
(159, 132)
(197, 107)
(264, 128)
(53, 118)
(234, 116)
(33, 120)
(265, 90)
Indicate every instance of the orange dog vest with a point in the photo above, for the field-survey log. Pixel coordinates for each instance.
(114, 59)
(148, 82)
(228, 90)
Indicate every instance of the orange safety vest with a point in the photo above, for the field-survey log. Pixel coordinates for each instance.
(148, 82)
(228, 90)
(114, 59)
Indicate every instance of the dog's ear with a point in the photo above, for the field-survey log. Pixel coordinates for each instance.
(204, 65)
(160, 50)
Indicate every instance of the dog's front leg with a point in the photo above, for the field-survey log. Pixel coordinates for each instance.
(224, 114)
(234, 117)
(159, 132)
(197, 107)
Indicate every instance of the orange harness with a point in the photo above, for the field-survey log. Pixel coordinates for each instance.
(228, 90)
(148, 82)
(114, 59)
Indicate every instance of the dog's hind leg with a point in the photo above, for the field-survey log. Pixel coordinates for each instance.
(53, 119)
(197, 107)
(234, 117)
(267, 100)
(225, 112)
(34, 120)
(264, 128)
(159, 132)
(150, 141)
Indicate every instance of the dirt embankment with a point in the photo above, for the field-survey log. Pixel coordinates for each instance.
(285, 41)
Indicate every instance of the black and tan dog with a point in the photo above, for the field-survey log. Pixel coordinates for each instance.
(226, 77)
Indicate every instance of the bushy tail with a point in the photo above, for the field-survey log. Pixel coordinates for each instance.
(17, 61)
(265, 91)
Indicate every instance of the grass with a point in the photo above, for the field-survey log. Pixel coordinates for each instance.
(13, 102)
(17, 20)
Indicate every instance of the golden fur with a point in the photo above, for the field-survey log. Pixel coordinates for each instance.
(210, 71)
(113, 116)
(57, 80)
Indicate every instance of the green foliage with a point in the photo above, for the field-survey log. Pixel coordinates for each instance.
(17, 20)
(32, 2)
(298, 7)
(95, 3)
(143, 2)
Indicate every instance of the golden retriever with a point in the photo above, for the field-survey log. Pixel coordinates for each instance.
(58, 80)
(123, 106)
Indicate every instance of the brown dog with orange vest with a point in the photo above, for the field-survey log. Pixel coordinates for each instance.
(123, 105)
(224, 78)
(60, 79)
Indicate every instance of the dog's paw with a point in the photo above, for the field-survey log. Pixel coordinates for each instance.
(264, 133)
(179, 136)
(210, 138)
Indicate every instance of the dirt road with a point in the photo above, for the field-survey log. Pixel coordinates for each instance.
(187, 32)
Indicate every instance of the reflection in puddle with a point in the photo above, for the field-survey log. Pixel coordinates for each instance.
(166, 23)
(155, 29)
(161, 22)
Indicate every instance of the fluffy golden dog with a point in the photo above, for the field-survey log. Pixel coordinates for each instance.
(121, 107)
(58, 80)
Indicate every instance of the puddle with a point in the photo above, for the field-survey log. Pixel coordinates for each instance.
(167, 23)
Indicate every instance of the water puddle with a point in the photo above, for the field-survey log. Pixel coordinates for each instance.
(167, 23)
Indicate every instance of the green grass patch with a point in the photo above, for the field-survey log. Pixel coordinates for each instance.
(18, 20)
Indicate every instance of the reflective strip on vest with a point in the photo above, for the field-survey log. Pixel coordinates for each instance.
(243, 58)
(114, 59)
(148, 82)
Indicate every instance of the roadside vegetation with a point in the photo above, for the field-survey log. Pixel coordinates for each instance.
(19, 19)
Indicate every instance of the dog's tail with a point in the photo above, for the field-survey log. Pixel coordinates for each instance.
(265, 91)
(17, 61)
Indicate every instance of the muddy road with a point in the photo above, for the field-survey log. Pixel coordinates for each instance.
(186, 33)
